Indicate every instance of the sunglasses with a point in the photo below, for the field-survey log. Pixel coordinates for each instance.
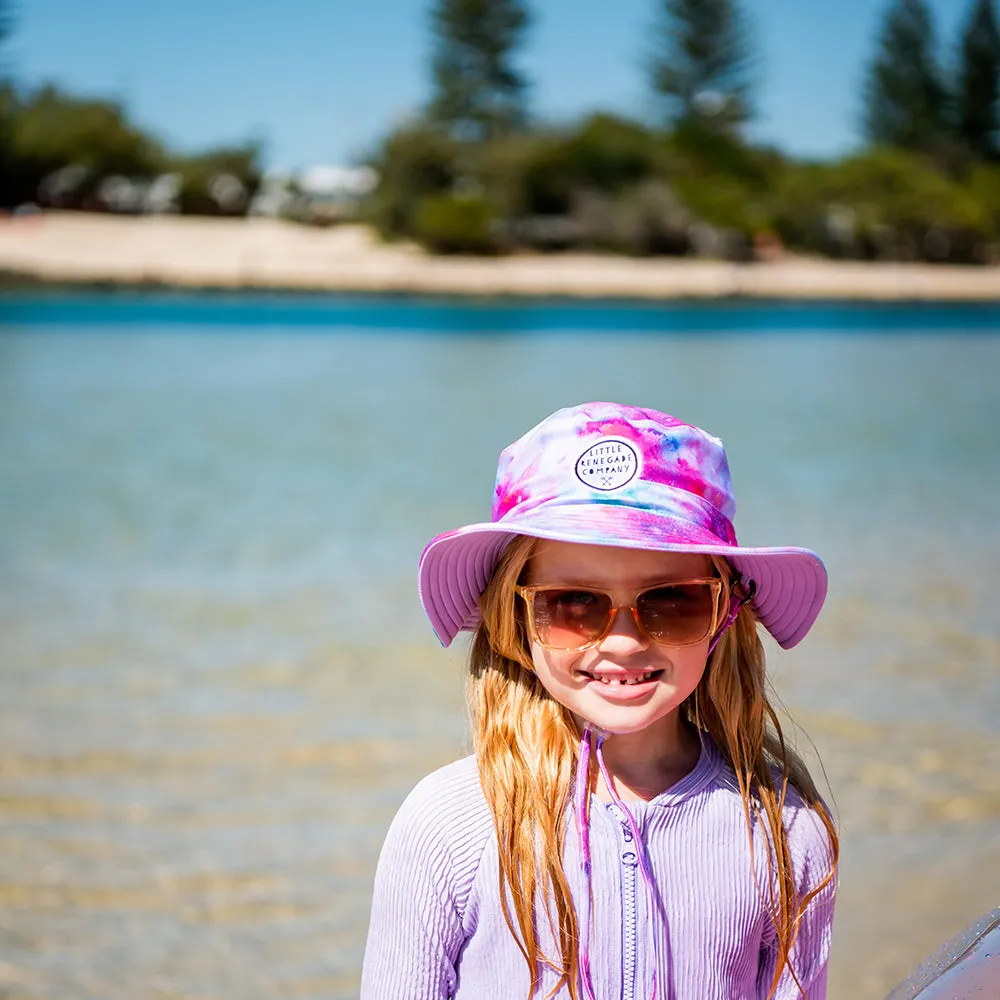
(676, 613)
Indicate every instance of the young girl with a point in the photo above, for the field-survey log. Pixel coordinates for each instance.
(632, 824)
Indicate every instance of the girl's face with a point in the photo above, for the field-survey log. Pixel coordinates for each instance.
(588, 681)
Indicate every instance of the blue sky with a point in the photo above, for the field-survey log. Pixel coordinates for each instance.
(321, 80)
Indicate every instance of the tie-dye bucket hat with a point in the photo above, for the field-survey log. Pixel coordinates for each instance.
(606, 474)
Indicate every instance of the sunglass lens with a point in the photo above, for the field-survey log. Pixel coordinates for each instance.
(677, 613)
(568, 619)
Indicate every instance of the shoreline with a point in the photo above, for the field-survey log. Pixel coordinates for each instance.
(64, 249)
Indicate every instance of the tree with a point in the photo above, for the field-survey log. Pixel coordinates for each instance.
(413, 164)
(478, 92)
(53, 129)
(906, 101)
(703, 66)
(47, 130)
(979, 81)
(219, 181)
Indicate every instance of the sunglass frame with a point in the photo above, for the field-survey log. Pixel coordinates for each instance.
(527, 593)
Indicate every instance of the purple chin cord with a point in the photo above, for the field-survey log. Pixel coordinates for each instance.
(582, 797)
(582, 811)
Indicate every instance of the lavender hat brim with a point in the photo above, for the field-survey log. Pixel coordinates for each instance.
(456, 566)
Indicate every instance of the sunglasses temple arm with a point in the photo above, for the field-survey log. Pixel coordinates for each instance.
(736, 602)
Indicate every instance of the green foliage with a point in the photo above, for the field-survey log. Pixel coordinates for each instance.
(53, 129)
(611, 153)
(528, 180)
(8, 109)
(724, 182)
(502, 166)
(414, 163)
(983, 186)
(906, 102)
(49, 133)
(220, 181)
(607, 184)
(450, 224)
(604, 153)
(48, 130)
(548, 179)
(979, 81)
(479, 94)
(610, 184)
(886, 203)
(726, 203)
(703, 63)
(700, 150)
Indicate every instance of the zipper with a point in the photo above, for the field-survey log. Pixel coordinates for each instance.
(629, 859)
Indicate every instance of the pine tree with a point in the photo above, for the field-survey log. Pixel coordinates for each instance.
(703, 66)
(979, 81)
(906, 101)
(478, 91)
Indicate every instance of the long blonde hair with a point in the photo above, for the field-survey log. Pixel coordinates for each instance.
(527, 744)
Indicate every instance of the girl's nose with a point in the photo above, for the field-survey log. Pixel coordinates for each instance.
(624, 634)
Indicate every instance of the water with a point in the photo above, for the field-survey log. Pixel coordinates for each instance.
(216, 682)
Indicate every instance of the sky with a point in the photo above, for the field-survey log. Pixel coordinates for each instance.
(321, 81)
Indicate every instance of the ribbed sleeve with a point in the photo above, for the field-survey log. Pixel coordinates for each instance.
(425, 871)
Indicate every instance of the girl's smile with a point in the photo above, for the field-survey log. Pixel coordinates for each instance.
(615, 681)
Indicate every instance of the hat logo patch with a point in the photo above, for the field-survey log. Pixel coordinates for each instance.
(608, 465)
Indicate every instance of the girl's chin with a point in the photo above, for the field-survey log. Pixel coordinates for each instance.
(621, 720)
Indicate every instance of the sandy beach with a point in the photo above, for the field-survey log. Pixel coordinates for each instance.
(62, 247)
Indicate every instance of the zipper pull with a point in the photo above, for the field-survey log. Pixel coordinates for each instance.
(630, 858)
(620, 816)
(626, 829)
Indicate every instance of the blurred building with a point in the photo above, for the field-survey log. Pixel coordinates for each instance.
(320, 195)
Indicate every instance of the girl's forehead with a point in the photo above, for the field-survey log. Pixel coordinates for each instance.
(606, 565)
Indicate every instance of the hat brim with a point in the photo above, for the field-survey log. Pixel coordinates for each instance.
(455, 567)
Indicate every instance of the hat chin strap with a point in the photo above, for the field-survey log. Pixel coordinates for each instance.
(582, 809)
(735, 603)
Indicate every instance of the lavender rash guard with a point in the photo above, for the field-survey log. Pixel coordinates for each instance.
(437, 925)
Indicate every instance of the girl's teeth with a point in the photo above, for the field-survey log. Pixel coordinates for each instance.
(637, 679)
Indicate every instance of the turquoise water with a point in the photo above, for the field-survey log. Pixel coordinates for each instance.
(216, 682)
(304, 311)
